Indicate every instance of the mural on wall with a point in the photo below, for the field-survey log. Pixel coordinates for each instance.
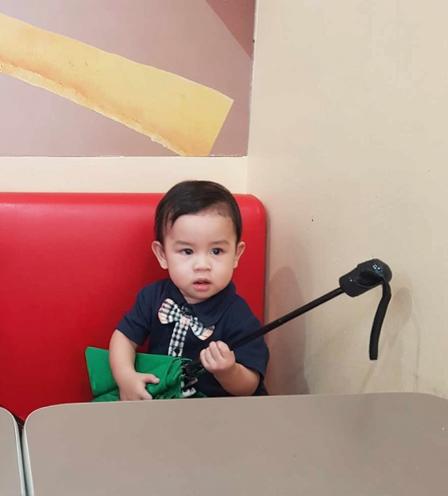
(120, 77)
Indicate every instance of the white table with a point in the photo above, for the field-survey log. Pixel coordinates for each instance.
(360, 445)
(11, 473)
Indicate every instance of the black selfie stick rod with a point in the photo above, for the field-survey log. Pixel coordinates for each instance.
(364, 277)
(286, 318)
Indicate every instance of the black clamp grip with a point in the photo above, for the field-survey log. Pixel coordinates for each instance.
(365, 276)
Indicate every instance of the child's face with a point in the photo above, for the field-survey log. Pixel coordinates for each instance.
(200, 253)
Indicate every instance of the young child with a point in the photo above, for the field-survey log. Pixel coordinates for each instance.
(196, 311)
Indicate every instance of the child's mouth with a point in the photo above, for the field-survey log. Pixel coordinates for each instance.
(201, 285)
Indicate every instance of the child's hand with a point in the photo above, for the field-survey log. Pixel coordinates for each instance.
(133, 386)
(217, 358)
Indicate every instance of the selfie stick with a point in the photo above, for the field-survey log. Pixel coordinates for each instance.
(367, 275)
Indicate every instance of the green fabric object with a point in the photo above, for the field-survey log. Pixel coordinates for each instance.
(167, 368)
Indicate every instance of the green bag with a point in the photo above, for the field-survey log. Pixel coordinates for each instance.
(167, 368)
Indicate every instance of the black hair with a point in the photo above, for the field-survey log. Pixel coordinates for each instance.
(190, 197)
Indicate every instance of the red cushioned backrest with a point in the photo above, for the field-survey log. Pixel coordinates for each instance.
(70, 266)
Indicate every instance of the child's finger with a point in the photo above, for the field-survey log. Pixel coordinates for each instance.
(150, 379)
(203, 358)
(222, 347)
(144, 395)
(215, 351)
(206, 359)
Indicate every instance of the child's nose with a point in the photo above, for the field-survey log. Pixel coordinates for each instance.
(202, 262)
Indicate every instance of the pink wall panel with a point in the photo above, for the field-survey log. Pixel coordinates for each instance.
(208, 42)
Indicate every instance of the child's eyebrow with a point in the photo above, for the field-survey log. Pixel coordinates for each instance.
(183, 243)
(221, 242)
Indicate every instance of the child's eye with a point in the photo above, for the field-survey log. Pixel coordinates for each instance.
(217, 251)
(186, 251)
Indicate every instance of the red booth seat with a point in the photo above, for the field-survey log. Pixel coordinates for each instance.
(70, 266)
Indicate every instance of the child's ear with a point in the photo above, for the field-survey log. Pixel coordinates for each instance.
(159, 252)
(240, 247)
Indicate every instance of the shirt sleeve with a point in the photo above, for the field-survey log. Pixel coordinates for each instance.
(135, 325)
(255, 354)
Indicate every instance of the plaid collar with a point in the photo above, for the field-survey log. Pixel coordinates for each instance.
(208, 311)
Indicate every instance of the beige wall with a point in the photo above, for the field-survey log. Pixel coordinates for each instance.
(123, 174)
(348, 150)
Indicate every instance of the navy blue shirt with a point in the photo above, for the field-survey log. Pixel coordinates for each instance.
(226, 313)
